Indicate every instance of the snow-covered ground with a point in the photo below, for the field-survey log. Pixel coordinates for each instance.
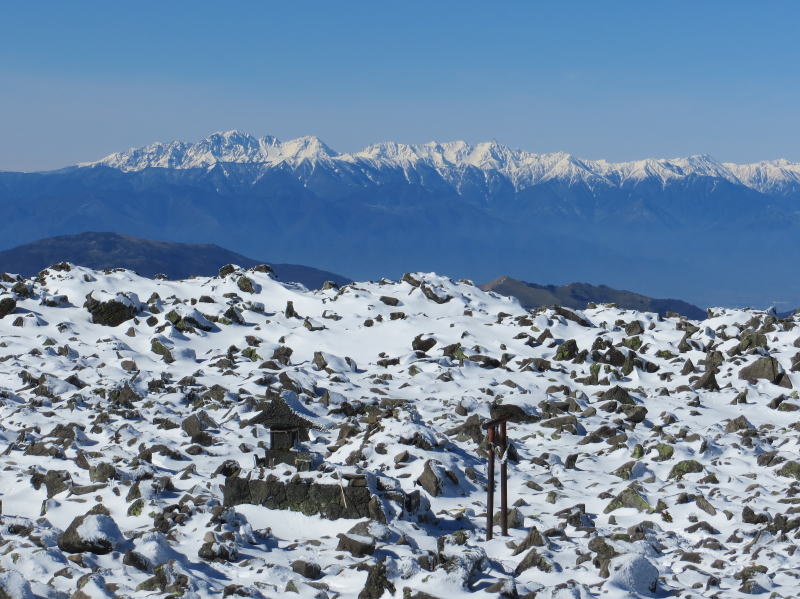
(647, 463)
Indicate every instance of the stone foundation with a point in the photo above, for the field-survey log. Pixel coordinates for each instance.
(331, 501)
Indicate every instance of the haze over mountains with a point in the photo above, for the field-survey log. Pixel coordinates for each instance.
(695, 228)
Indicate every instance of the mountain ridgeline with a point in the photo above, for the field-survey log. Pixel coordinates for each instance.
(146, 257)
(709, 232)
(579, 295)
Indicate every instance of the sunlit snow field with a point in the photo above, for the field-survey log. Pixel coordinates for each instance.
(683, 469)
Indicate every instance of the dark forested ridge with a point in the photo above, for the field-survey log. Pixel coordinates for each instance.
(145, 256)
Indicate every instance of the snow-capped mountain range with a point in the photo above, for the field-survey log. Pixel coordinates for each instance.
(522, 168)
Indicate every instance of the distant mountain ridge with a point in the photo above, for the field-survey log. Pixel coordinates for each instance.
(578, 295)
(146, 257)
(522, 168)
(712, 233)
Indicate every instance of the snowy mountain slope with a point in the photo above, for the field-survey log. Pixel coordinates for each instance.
(654, 457)
(449, 159)
(768, 176)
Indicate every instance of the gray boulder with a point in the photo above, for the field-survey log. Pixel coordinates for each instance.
(567, 350)
(197, 423)
(707, 382)
(357, 545)
(94, 532)
(306, 569)
(766, 368)
(377, 582)
(618, 394)
(110, 313)
(7, 306)
(215, 549)
(434, 476)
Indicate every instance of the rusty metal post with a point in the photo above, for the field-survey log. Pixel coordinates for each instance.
(504, 479)
(490, 485)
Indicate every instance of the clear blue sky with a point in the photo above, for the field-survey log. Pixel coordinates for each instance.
(617, 80)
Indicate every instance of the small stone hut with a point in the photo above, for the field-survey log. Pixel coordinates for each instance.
(287, 430)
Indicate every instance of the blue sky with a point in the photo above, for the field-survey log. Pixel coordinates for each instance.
(617, 80)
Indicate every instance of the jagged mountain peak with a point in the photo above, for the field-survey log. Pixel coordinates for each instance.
(767, 175)
(309, 147)
(219, 147)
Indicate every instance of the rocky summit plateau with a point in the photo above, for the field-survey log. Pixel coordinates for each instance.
(237, 436)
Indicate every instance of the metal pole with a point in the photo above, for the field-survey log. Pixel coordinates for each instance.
(490, 484)
(504, 479)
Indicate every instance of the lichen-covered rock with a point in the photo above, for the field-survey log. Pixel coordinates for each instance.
(112, 312)
(283, 355)
(533, 559)
(246, 285)
(102, 472)
(433, 296)
(685, 467)
(331, 501)
(790, 469)
(534, 538)
(157, 347)
(629, 498)
(618, 394)
(567, 350)
(226, 270)
(665, 452)
(124, 397)
(738, 424)
(626, 470)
